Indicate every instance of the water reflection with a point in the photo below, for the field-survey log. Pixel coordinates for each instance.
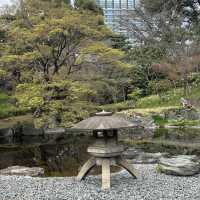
(63, 154)
(178, 134)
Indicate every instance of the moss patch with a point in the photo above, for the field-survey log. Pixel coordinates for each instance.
(148, 111)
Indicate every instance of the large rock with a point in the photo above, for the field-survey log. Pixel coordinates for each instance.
(145, 122)
(139, 157)
(6, 132)
(21, 129)
(30, 130)
(23, 171)
(54, 131)
(182, 113)
(54, 134)
(181, 165)
(138, 120)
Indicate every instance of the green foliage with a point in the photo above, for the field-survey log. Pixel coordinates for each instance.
(58, 101)
(116, 107)
(3, 74)
(2, 35)
(60, 113)
(29, 95)
(105, 54)
(58, 61)
(163, 30)
(50, 40)
(194, 79)
(154, 6)
(135, 95)
(169, 101)
(158, 168)
(120, 42)
(159, 87)
(7, 108)
(159, 120)
(142, 73)
(146, 55)
(3, 97)
(183, 122)
(88, 4)
(10, 59)
(154, 101)
(170, 98)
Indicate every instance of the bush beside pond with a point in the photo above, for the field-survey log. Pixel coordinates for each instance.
(8, 107)
(116, 107)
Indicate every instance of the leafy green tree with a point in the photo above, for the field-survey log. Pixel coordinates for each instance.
(58, 60)
(171, 27)
(120, 42)
(142, 71)
(48, 41)
(88, 4)
(159, 87)
(51, 102)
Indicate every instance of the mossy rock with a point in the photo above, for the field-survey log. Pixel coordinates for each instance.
(180, 165)
(182, 113)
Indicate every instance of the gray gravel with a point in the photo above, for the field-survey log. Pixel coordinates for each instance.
(150, 185)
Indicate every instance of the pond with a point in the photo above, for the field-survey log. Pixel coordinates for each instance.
(59, 156)
(64, 154)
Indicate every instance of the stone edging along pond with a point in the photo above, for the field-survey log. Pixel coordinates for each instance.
(178, 127)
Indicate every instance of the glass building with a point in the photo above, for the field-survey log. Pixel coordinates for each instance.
(114, 10)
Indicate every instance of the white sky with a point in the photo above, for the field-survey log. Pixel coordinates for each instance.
(4, 2)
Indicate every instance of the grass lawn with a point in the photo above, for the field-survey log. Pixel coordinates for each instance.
(155, 106)
(116, 107)
(169, 99)
(149, 111)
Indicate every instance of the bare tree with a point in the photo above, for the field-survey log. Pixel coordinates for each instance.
(168, 29)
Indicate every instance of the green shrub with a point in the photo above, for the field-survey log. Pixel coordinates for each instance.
(7, 109)
(183, 122)
(159, 87)
(135, 95)
(88, 5)
(158, 168)
(159, 120)
(118, 106)
(170, 98)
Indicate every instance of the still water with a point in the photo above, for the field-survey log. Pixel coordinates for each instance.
(64, 154)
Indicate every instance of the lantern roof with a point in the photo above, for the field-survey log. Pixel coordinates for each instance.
(103, 121)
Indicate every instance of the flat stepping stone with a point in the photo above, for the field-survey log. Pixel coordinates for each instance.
(181, 165)
(137, 156)
(23, 171)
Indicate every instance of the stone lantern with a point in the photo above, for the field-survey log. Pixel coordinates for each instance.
(105, 151)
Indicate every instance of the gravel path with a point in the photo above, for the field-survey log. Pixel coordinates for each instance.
(150, 186)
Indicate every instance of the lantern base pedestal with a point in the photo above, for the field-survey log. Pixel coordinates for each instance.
(106, 164)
